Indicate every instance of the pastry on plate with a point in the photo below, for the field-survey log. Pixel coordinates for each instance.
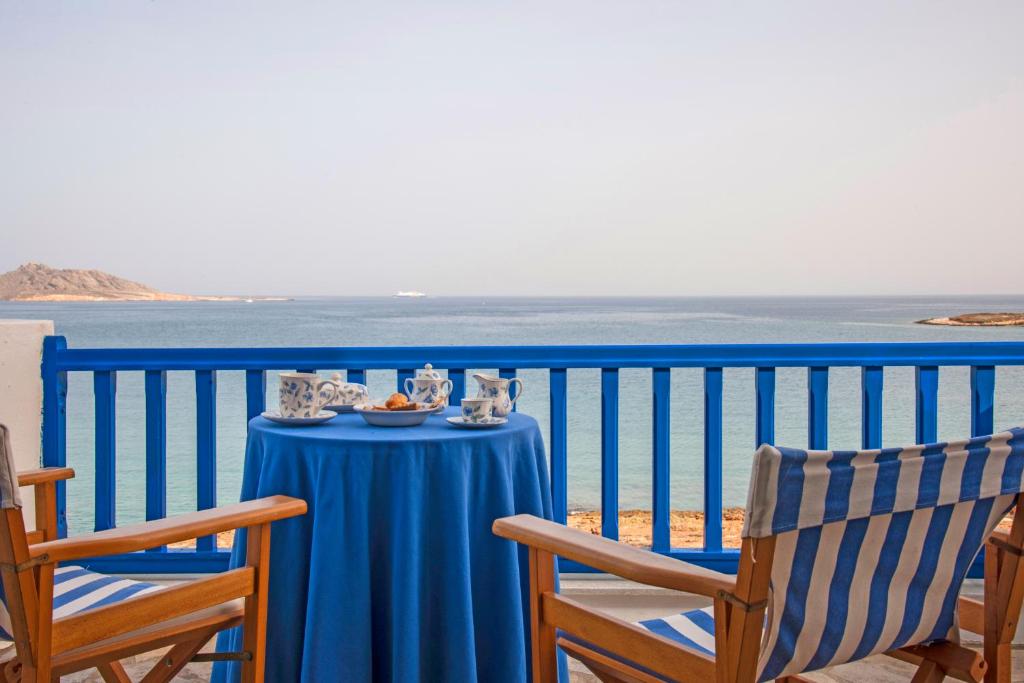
(396, 401)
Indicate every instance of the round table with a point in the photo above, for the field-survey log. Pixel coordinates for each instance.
(394, 574)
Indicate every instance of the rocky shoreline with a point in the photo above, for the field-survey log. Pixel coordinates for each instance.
(686, 528)
(978, 320)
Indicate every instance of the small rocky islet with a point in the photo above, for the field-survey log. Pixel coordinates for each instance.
(38, 282)
(978, 320)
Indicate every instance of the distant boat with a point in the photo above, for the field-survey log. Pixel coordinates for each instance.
(410, 295)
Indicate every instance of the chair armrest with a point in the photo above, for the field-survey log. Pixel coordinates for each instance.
(170, 530)
(615, 558)
(44, 475)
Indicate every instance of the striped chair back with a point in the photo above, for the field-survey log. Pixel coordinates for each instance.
(871, 547)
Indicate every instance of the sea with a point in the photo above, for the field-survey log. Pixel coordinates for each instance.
(388, 321)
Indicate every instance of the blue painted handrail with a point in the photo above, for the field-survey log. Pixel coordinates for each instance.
(981, 357)
(523, 357)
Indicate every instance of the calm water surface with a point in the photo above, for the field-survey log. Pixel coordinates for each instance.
(388, 321)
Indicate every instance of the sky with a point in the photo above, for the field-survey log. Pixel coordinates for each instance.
(517, 148)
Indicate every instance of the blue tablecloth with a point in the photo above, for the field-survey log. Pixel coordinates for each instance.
(394, 574)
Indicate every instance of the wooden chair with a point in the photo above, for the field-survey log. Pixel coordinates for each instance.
(997, 617)
(101, 619)
(844, 555)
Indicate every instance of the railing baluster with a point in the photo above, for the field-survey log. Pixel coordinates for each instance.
(764, 388)
(104, 385)
(983, 387)
(661, 382)
(926, 388)
(817, 408)
(356, 376)
(156, 447)
(458, 378)
(713, 459)
(871, 379)
(610, 453)
(559, 444)
(255, 393)
(55, 394)
(402, 376)
(509, 373)
(206, 447)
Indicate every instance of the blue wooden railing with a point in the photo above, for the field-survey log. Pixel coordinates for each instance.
(58, 360)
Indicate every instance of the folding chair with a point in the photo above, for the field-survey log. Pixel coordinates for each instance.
(63, 619)
(844, 555)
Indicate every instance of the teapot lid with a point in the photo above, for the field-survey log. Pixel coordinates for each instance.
(428, 371)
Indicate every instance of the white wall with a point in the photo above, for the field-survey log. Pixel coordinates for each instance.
(21, 394)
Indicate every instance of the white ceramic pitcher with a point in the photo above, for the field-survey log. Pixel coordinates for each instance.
(498, 388)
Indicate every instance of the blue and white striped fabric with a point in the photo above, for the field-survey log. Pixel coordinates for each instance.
(882, 539)
(694, 629)
(77, 590)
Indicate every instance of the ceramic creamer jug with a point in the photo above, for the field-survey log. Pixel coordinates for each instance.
(498, 389)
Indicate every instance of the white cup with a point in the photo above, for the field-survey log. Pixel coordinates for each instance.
(477, 409)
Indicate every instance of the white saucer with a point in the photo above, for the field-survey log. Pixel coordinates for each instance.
(350, 408)
(275, 416)
(459, 421)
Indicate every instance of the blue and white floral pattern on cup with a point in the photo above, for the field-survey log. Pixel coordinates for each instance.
(303, 394)
(476, 409)
(350, 393)
(427, 389)
(499, 390)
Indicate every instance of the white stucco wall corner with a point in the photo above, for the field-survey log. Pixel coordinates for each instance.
(21, 394)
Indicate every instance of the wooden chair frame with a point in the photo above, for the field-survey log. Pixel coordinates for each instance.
(740, 603)
(184, 616)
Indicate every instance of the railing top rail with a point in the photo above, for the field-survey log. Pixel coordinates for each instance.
(524, 357)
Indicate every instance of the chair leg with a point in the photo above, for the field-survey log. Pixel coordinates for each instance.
(254, 626)
(1000, 663)
(175, 660)
(542, 644)
(113, 672)
(928, 672)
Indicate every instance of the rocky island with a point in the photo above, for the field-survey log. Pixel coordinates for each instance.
(978, 320)
(38, 282)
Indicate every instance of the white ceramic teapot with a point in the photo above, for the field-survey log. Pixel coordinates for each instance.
(428, 386)
(497, 388)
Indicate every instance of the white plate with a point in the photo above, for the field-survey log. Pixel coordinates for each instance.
(459, 421)
(393, 418)
(341, 409)
(275, 416)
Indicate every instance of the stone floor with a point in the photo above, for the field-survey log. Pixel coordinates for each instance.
(877, 669)
(627, 601)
